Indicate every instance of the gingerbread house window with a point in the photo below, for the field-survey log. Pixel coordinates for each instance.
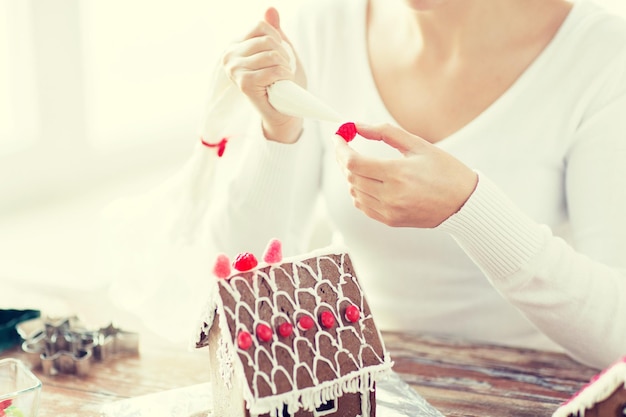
(327, 408)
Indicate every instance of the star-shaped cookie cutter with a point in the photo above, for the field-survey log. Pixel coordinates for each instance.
(65, 345)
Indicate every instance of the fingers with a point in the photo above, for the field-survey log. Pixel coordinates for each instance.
(260, 59)
(354, 163)
(256, 60)
(392, 135)
(256, 63)
(263, 47)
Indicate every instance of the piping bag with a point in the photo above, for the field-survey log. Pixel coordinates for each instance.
(285, 96)
(225, 113)
(289, 98)
(155, 244)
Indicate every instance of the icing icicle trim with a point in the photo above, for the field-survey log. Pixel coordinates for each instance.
(362, 381)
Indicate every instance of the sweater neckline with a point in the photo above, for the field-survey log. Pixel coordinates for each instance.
(497, 105)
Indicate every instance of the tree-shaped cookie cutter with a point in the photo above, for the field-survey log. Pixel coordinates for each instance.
(66, 346)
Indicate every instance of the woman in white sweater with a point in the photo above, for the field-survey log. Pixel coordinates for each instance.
(485, 197)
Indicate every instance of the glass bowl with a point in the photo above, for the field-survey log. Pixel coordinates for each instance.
(19, 390)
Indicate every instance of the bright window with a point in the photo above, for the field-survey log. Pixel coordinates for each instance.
(17, 81)
(91, 90)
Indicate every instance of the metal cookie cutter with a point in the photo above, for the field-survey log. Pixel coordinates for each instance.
(65, 346)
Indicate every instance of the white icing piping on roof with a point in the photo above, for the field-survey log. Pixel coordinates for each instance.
(309, 398)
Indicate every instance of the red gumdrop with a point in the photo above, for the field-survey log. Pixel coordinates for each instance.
(285, 329)
(328, 319)
(347, 131)
(222, 266)
(353, 313)
(305, 323)
(244, 340)
(264, 332)
(245, 262)
(273, 252)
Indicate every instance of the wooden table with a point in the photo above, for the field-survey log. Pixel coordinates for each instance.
(457, 377)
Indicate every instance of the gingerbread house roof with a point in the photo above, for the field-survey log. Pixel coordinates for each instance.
(601, 387)
(300, 367)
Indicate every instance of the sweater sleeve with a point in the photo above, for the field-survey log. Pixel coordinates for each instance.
(270, 193)
(575, 293)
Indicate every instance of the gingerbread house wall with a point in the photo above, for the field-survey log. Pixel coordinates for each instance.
(227, 393)
(348, 405)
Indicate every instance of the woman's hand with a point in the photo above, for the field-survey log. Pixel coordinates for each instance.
(258, 61)
(421, 189)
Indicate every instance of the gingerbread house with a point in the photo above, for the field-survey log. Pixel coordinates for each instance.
(603, 396)
(292, 338)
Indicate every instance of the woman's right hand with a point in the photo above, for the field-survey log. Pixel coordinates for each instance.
(258, 61)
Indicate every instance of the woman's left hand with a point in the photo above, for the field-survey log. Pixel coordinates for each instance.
(421, 189)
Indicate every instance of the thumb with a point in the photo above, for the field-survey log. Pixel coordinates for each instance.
(273, 18)
(393, 136)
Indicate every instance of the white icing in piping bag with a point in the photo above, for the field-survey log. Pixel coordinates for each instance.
(289, 98)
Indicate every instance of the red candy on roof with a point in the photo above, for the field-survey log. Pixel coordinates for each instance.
(347, 131)
(273, 252)
(353, 314)
(222, 266)
(327, 319)
(244, 340)
(285, 329)
(264, 332)
(305, 323)
(245, 262)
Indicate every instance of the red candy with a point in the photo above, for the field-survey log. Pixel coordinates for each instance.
(347, 131)
(264, 332)
(222, 266)
(245, 262)
(285, 329)
(353, 313)
(328, 319)
(305, 323)
(244, 340)
(274, 252)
